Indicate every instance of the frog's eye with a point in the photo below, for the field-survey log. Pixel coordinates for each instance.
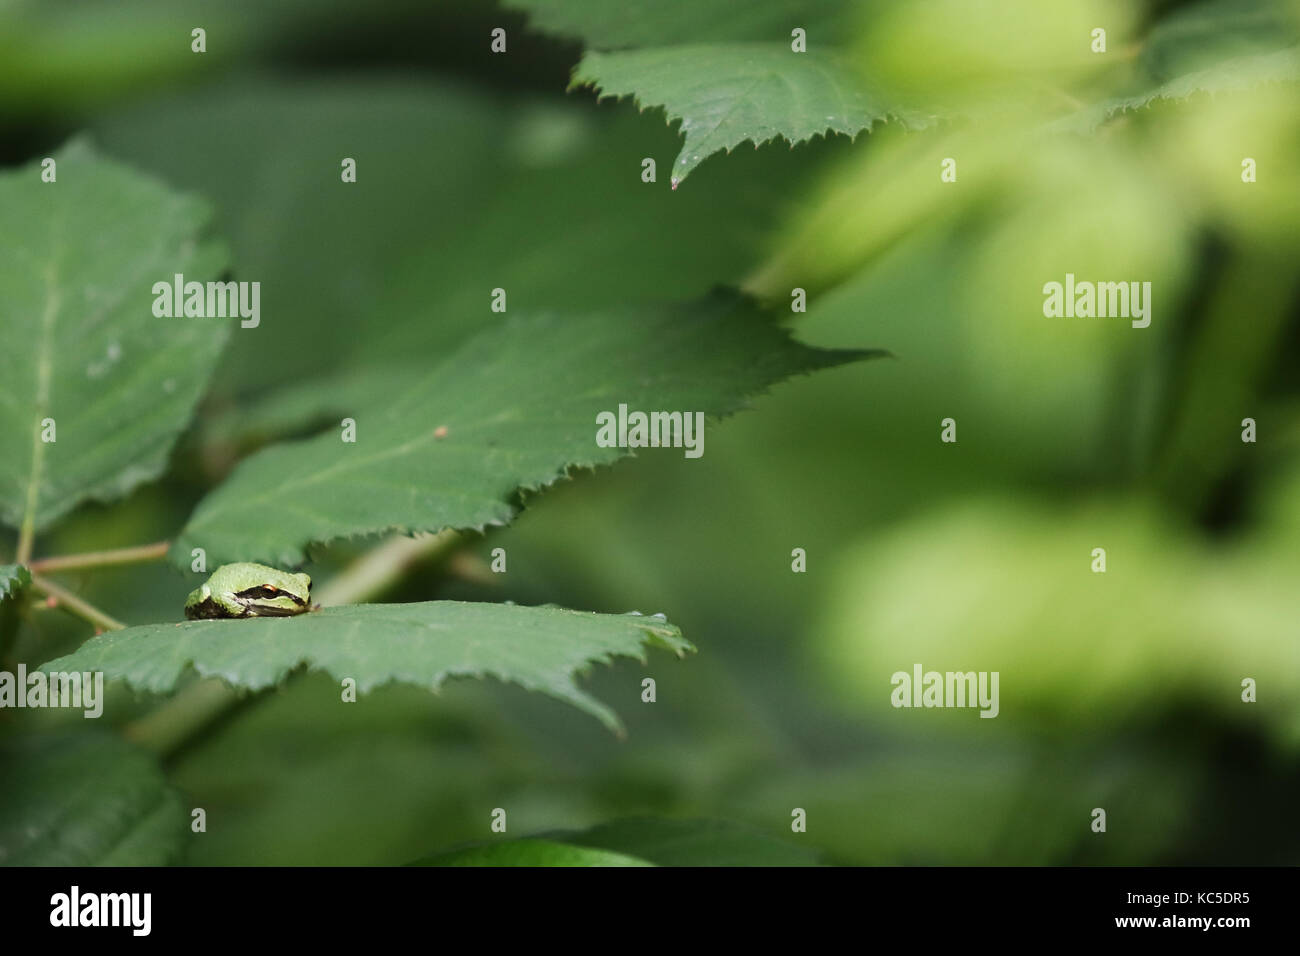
(261, 591)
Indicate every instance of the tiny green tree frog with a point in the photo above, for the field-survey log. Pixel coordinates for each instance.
(249, 590)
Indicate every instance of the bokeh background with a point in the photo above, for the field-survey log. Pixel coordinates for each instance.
(1119, 691)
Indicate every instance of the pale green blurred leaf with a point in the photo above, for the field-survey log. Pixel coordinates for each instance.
(1171, 624)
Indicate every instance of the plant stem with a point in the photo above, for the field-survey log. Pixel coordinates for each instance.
(380, 568)
(26, 535)
(101, 559)
(164, 729)
(174, 723)
(75, 605)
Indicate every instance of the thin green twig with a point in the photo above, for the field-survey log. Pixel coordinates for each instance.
(75, 605)
(101, 559)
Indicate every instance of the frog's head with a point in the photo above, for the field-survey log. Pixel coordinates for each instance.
(273, 579)
(261, 591)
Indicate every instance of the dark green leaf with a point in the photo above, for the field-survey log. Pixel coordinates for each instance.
(79, 343)
(727, 94)
(515, 407)
(695, 843)
(13, 578)
(539, 648)
(86, 799)
(530, 852)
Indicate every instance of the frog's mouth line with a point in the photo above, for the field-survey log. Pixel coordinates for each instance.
(263, 610)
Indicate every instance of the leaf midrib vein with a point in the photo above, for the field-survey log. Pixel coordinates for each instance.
(44, 376)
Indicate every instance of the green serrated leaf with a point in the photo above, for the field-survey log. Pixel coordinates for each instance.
(1230, 76)
(727, 94)
(79, 343)
(1221, 46)
(1227, 76)
(539, 648)
(13, 578)
(513, 408)
(727, 78)
(86, 799)
(530, 852)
